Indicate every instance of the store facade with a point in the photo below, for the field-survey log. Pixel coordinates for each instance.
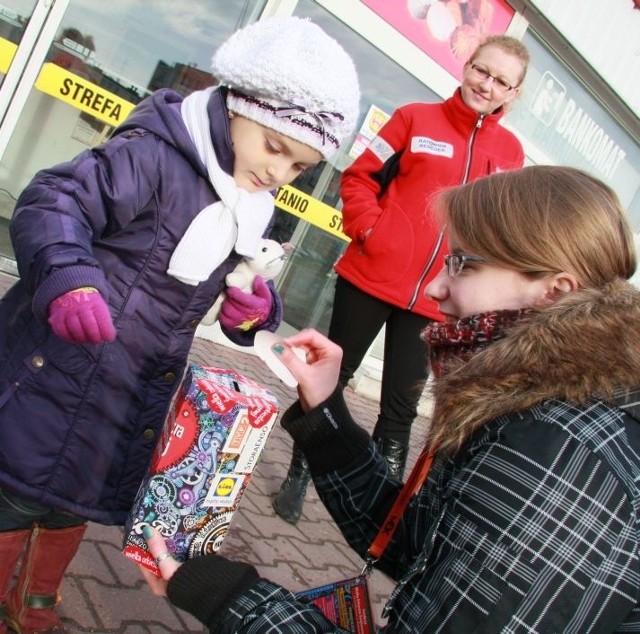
(71, 70)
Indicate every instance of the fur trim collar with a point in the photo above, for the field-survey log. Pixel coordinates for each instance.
(586, 344)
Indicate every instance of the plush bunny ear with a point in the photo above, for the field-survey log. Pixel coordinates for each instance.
(288, 247)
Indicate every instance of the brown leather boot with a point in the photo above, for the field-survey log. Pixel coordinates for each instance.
(31, 603)
(11, 547)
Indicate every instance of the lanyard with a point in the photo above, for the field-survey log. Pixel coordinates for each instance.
(416, 479)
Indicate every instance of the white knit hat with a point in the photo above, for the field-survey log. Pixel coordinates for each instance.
(287, 74)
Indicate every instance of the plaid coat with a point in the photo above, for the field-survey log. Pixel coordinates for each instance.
(534, 524)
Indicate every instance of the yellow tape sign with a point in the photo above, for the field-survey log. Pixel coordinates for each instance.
(82, 94)
(311, 209)
(7, 52)
(112, 109)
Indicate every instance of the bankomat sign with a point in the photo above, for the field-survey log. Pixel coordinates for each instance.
(553, 106)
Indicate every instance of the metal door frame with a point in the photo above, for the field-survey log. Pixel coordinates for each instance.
(27, 61)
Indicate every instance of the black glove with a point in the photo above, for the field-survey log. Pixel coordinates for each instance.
(205, 586)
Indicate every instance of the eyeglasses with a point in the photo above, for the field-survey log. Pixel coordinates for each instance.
(455, 262)
(483, 74)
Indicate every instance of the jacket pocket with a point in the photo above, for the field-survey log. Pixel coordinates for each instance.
(67, 357)
(478, 582)
(478, 600)
(389, 248)
(31, 365)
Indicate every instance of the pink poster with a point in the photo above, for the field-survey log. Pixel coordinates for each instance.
(446, 30)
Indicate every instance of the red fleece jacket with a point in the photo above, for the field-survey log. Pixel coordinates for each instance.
(441, 144)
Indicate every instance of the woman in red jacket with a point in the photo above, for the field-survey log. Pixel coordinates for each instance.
(397, 245)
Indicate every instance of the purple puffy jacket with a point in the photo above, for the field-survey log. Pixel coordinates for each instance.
(78, 423)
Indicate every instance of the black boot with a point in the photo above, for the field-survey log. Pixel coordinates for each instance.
(395, 453)
(290, 499)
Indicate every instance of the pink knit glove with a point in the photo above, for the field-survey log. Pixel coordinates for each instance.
(245, 311)
(81, 316)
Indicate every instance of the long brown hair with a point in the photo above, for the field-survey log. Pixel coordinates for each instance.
(543, 218)
(536, 220)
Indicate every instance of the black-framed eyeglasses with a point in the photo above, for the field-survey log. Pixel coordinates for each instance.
(455, 262)
(483, 74)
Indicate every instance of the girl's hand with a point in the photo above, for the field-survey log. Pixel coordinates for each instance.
(167, 564)
(317, 376)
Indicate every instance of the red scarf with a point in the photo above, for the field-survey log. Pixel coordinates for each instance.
(453, 343)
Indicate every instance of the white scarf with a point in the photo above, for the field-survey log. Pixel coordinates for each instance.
(238, 221)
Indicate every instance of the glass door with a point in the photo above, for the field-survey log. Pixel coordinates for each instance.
(307, 282)
(22, 24)
(72, 70)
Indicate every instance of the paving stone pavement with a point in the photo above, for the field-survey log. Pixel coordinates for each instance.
(104, 593)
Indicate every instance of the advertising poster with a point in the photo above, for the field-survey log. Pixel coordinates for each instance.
(373, 121)
(446, 30)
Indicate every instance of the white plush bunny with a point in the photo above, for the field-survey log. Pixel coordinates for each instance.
(267, 263)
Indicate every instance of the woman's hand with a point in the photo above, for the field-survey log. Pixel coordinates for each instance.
(167, 564)
(317, 376)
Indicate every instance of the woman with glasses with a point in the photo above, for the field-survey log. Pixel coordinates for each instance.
(529, 518)
(396, 245)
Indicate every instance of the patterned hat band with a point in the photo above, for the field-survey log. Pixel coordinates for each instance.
(311, 128)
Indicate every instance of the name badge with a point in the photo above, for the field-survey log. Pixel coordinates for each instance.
(430, 146)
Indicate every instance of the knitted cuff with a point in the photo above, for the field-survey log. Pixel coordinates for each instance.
(205, 586)
(245, 338)
(65, 279)
(327, 435)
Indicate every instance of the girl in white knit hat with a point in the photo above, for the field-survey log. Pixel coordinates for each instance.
(121, 253)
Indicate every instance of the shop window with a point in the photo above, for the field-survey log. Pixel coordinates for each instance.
(307, 283)
(563, 123)
(107, 57)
